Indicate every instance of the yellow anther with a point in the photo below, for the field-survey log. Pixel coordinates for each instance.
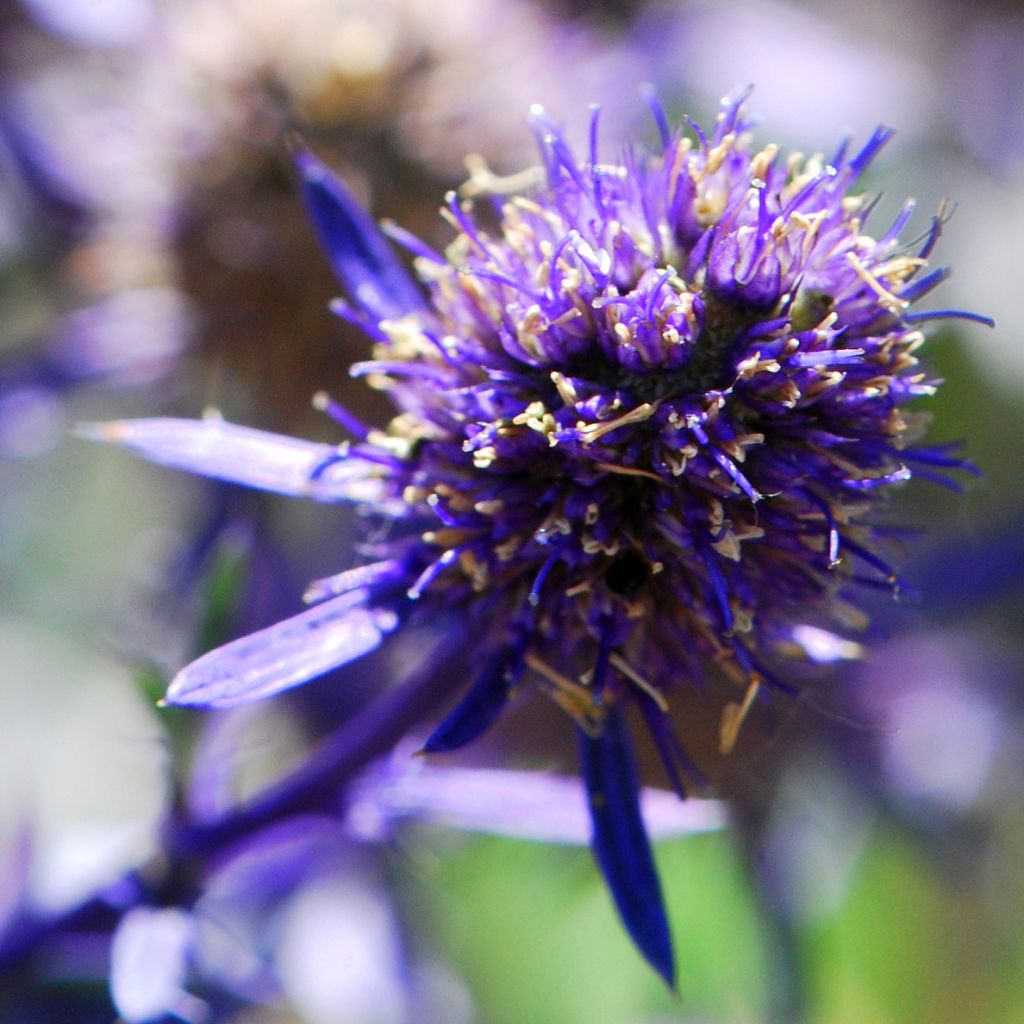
(717, 154)
(592, 431)
(564, 387)
(631, 674)
(483, 181)
(891, 302)
(733, 716)
(760, 162)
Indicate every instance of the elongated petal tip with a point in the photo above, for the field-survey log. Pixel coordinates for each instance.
(283, 655)
(105, 433)
(479, 709)
(621, 844)
(359, 253)
(240, 455)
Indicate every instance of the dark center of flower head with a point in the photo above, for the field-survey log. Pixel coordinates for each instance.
(627, 574)
(649, 407)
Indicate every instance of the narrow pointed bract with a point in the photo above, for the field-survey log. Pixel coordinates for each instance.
(294, 651)
(621, 846)
(360, 255)
(239, 455)
(477, 711)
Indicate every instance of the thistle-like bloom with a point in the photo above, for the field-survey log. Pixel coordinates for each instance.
(646, 411)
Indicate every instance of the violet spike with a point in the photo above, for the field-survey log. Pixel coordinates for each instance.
(620, 843)
(359, 253)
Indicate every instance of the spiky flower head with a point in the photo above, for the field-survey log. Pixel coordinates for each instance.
(646, 411)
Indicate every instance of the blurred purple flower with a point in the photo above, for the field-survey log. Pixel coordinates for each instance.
(814, 70)
(989, 88)
(945, 703)
(189, 94)
(99, 23)
(134, 338)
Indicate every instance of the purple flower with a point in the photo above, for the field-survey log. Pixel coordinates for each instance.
(647, 411)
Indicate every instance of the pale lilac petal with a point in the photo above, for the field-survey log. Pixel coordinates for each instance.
(285, 654)
(239, 455)
(149, 964)
(520, 805)
(351, 579)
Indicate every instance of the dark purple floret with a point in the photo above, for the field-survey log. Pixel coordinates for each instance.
(647, 411)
